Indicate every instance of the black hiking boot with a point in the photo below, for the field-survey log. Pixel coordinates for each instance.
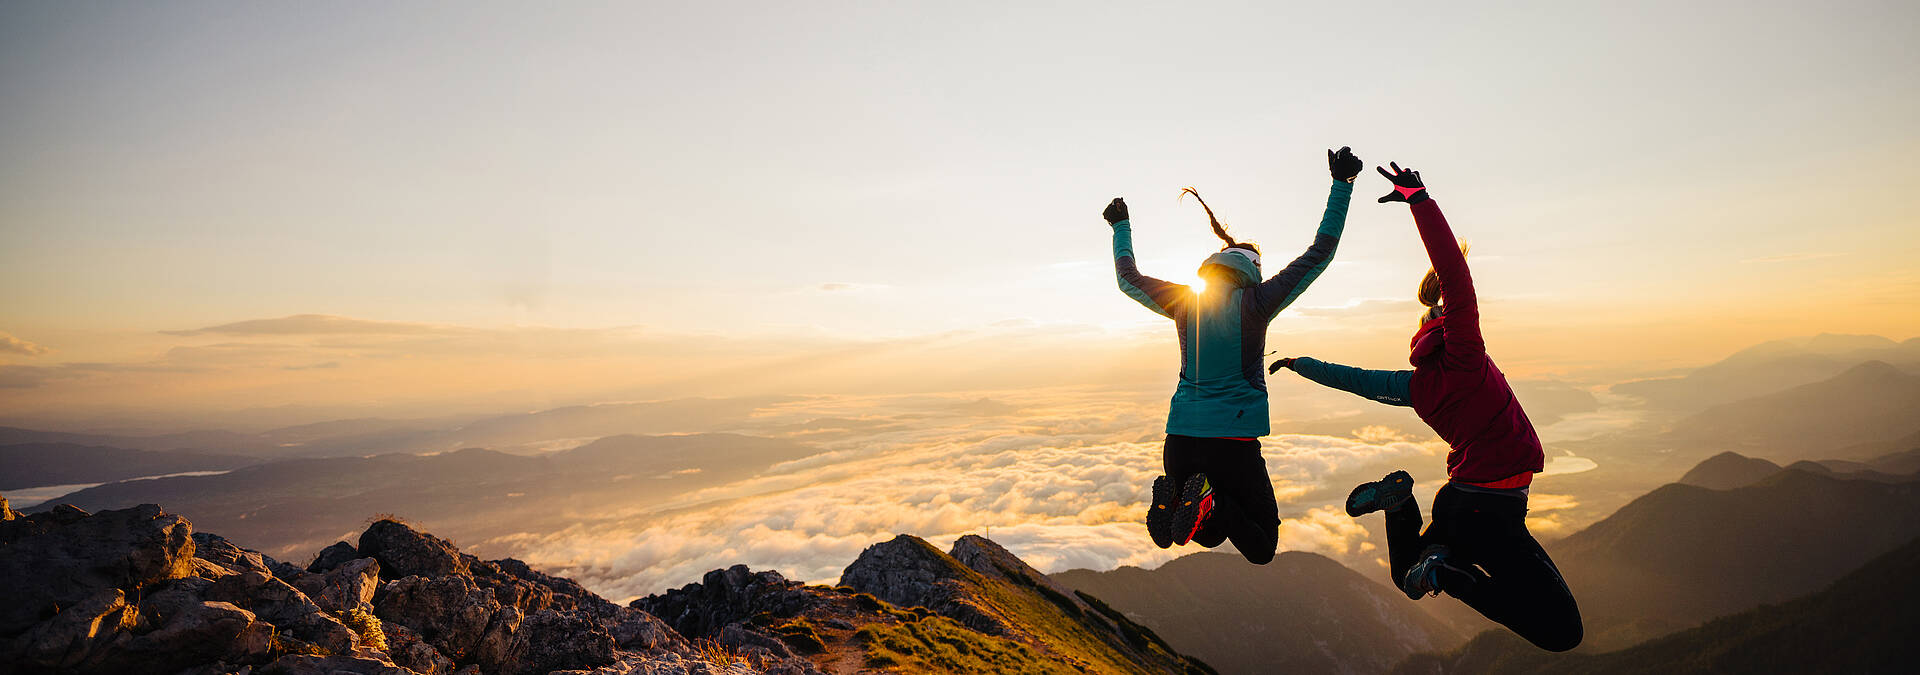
(1435, 572)
(1196, 503)
(1160, 513)
(1388, 492)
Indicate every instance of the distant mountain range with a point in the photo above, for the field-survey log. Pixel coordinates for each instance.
(292, 505)
(1770, 367)
(1683, 554)
(24, 465)
(516, 433)
(1862, 623)
(1872, 401)
(1300, 613)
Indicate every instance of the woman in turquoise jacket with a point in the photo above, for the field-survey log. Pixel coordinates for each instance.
(1216, 486)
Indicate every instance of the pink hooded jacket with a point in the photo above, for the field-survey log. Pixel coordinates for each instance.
(1456, 389)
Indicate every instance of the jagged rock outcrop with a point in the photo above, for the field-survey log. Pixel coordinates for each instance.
(404, 552)
(906, 606)
(909, 572)
(60, 557)
(332, 665)
(136, 590)
(333, 556)
(983, 586)
(125, 591)
(726, 597)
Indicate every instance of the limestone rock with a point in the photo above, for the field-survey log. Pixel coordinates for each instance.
(404, 552)
(284, 606)
(724, 597)
(331, 665)
(60, 557)
(332, 556)
(78, 633)
(909, 572)
(450, 613)
(342, 587)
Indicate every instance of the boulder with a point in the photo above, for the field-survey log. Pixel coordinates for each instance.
(212, 550)
(404, 552)
(6, 512)
(276, 602)
(636, 629)
(331, 665)
(450, 613)
(332, 556)
(342, 587)
(409, 651)
(202, 632)
(724, 597)
(64, 556)
(79, 633)
(550, 640)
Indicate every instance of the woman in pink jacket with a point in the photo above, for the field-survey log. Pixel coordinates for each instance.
(1478, 548)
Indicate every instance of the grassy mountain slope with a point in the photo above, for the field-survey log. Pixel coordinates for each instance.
(1300, 613)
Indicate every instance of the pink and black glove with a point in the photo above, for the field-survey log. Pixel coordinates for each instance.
(1406, 185)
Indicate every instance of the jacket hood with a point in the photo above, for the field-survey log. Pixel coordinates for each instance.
(1431, 338)
(1244, 264)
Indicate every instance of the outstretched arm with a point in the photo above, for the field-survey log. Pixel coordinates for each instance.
(1279, 291)
(1464, 345)
(1163, 297)
(1391, 387)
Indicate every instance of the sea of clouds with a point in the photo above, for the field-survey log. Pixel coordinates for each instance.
(1060, 478)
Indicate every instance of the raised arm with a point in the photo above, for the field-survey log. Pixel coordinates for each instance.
(1282, 288)
(1464, 344)
(1163, 297)
(1391, 387)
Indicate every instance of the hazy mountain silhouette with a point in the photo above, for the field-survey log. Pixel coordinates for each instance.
(1862, 623)
(1683, 554)
(1869, 402)
(1729, 470)
(515, 433)
(293, 505)
(1899, 456)
(210, 441)
(1300, 613)
(538, 431)
(25, 465)
(1770, 367)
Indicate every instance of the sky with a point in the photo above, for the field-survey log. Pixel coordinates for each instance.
(419, 208)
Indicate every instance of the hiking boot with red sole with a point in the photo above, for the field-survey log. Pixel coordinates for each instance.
(1160, 512)
(1196, 504)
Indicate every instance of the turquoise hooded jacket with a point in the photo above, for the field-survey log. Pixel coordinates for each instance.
(1223, 331)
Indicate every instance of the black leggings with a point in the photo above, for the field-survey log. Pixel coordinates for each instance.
(1243, 506)
(1515, 583)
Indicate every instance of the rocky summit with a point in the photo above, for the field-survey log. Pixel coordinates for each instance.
(138, 591)
(905, 606)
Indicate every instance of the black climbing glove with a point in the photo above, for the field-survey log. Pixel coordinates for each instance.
(1116, 211)
(1282, 363)
(1406, 185)
(1343, 164)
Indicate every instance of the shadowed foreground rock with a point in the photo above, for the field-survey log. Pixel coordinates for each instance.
(137, 591)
